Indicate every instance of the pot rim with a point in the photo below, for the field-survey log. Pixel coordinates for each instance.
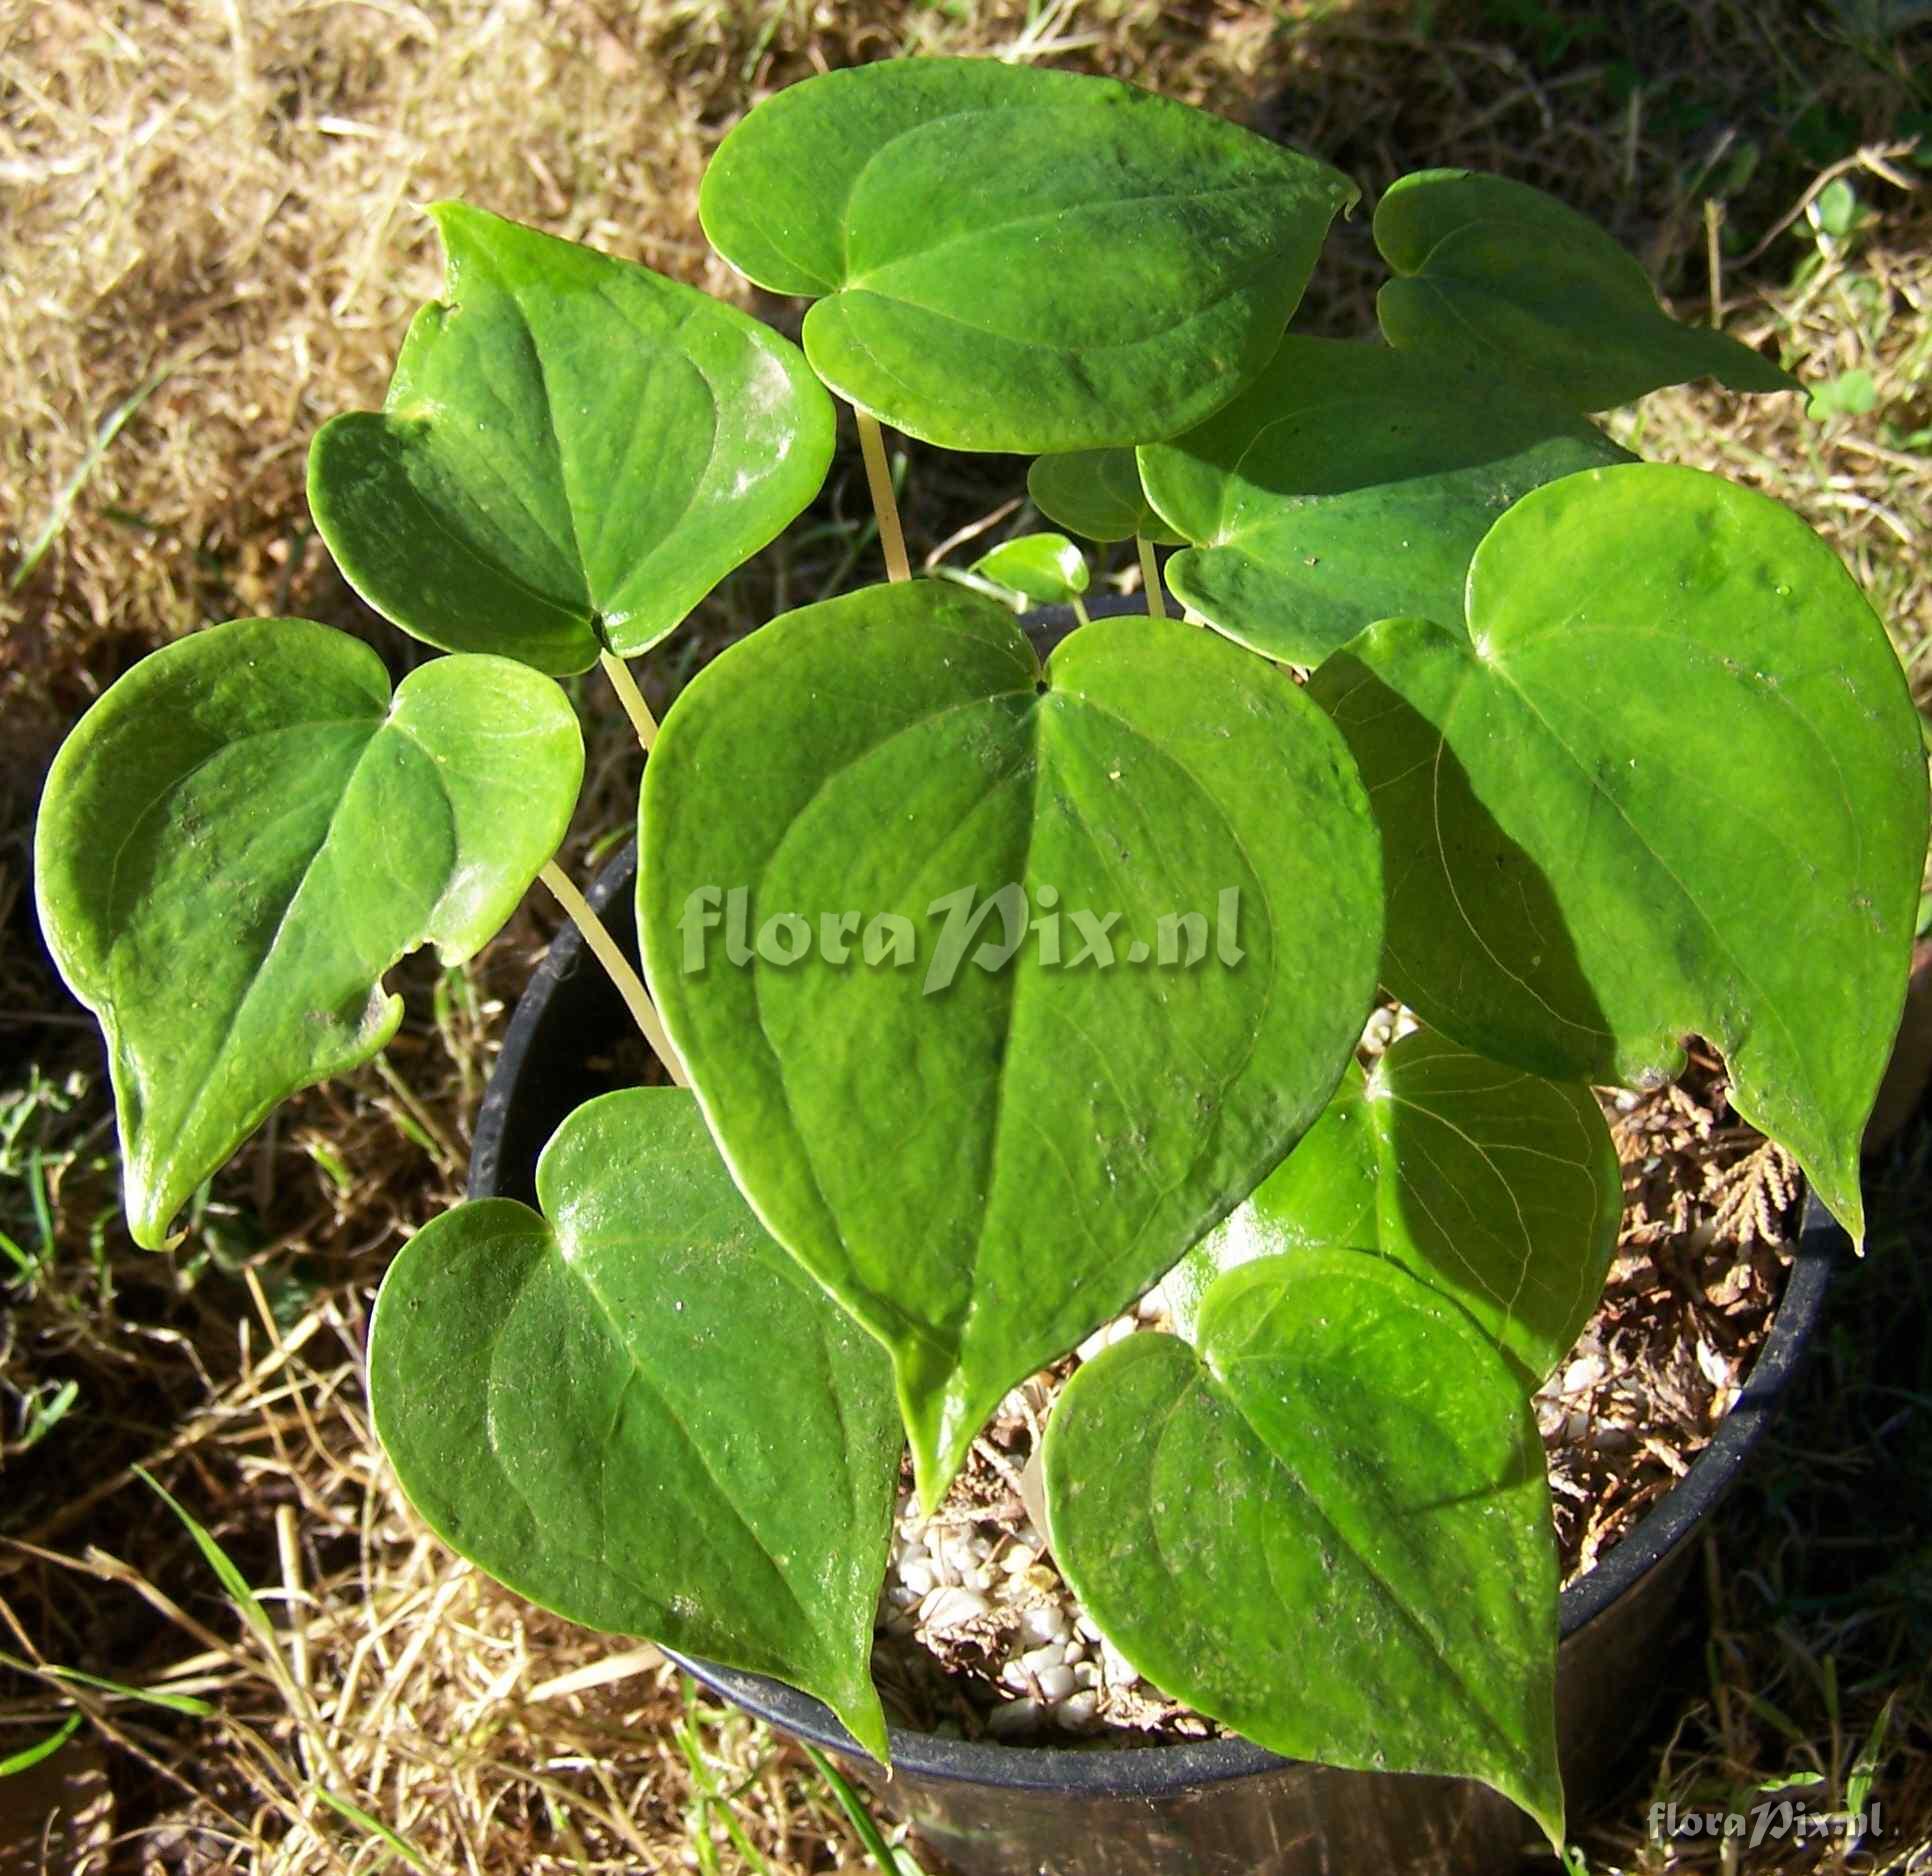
(1154, 1771)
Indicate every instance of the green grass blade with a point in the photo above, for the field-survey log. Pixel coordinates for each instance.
(219, 1561)
(29, 1756)
(376, 1828)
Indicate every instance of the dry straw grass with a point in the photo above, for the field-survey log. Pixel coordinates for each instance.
(209, 245)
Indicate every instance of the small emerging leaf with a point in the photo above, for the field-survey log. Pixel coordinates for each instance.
(991, 1136)
(1331, 1531)
(1501, 281)
(1045, 568)
(636, 1410)
(573, 452)
(1096, 494)
(1669, 782)
(246, 832)
(1351, 483)
(1492, 1186)
(1009, 258)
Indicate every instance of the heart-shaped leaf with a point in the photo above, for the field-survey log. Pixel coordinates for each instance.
(1096, 493)
(246, 832)
(1007, 258)
(1331, 1531)
(636, 1410)
(1088, 950)
(1505, 282)
(1045, 568)
(1492, 1186)
(1351, 483)
(573, 452)
(1669, 781)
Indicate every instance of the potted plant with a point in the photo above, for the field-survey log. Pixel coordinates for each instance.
(997, 989)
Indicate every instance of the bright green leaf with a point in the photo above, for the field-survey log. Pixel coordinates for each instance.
(1045, 568)
(573, 452)
(1331, 1531)
(1009, 258)
(1351, 483)
(1835, 211)
(1494, 1187)
(1096, 494)
(246, 832)
(986, 1149)
(637, 1411)
(1504, 282)
(1850, 394)
(1669, 782)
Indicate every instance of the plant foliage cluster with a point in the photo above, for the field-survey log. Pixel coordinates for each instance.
(1592, 754)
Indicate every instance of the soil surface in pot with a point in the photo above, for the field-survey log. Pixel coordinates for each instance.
(979, 1637)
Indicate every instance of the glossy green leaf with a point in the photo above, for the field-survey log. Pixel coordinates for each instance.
(1096, 494)
(1045, 568)
(1139, 896)
(1504, 282)
(246, 832)
(636, 1410)
(1009, 258)
(1669, 782)
(1331, 1531)
(573, 452)
(1351, 483)
(1495, 1187)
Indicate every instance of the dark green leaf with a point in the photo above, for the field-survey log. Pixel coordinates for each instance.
(636, 1410)
(1351, 483)
(982, 1152)
(1045, 568)
(1330, 1532)
(573, 452)
(246, 832)
(1096, 493)
(1669, 782)
(1007, 258)
(1492, 1186)
(1501, 281)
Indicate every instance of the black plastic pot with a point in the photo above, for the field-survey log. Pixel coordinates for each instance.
(1214, 1808)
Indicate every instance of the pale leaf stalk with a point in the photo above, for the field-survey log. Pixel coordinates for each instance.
(1150, 577)
(630, 697)
(885, 504)
(1080, 610)
(604, 948)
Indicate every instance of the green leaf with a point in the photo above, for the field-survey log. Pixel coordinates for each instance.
(1669, 782)
(984, 1152)
(1850, 394)
(246, 832)
(1045, 568)
(1331, 1531)
(1007, 258)
(1835, 211)
(1351, 483)
(573, 452)
(1096, 493)
(1494, 1187)
(637, 1411)
(1501, 281)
